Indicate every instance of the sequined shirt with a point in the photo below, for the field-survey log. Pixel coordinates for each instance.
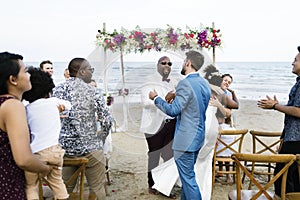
(78, 134)
(291, 130)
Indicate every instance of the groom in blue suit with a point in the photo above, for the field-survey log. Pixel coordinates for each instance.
(189, 105)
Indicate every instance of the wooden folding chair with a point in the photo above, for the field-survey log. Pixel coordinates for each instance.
(295, 195)
(264, 142)
(239, 137)
(261, 191)
(40, 185)
(79, 162)
(80, 172)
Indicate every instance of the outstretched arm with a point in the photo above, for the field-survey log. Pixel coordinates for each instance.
(270, 103)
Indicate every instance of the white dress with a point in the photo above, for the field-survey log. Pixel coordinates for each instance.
(165, 175)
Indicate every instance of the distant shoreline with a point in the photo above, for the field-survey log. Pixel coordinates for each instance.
(251, 80)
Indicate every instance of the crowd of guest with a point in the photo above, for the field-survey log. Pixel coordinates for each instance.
(60, 121)
(57, 122)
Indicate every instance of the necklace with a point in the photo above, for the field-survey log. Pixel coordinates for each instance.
(9, 95)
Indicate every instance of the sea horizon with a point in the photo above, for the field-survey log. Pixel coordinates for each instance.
(251, 80)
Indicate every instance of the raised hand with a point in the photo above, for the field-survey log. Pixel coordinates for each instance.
(170, 97)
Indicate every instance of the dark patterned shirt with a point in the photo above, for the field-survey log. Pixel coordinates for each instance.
(292, 124)
(78, 135)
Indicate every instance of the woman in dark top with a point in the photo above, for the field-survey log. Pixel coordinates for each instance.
(15, 152)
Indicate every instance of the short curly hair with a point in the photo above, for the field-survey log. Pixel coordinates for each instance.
(42, 85)
(212, 75)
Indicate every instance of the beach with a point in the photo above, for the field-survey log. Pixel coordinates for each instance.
(128, 160)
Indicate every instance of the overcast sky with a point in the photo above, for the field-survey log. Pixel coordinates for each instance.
(256, 30)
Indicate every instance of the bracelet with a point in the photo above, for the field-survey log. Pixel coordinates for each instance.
(273, 107)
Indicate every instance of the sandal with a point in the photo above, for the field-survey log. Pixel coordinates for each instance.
(172, 196)
(153, 191)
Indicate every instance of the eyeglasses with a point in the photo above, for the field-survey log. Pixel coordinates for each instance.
(164, 63)
(90, 69)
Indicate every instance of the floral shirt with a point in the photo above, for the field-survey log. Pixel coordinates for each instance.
(292, 124)
(78, 134)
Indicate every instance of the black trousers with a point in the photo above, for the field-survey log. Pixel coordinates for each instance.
(292, 182)
(160, 145)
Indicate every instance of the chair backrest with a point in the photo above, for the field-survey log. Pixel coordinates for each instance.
(239, 137)
(261, 188)
(79, 162)
(222, 146)
(265, 142)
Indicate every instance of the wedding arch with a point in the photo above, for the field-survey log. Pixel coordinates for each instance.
(169, 39)
(115, 45)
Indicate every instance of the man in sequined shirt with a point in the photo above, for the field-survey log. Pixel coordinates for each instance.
(291, 130)
(78, 134)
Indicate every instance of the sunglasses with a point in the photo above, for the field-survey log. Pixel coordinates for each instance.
(90, 69)
(164, 63)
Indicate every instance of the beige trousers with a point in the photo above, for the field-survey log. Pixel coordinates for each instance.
(54, 156)
(94, 173)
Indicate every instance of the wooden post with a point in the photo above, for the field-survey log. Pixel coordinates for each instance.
(105, 63)
(214, 49)
(124, 127)
(122, 68)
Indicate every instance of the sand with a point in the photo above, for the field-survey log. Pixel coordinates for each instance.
(128, 160)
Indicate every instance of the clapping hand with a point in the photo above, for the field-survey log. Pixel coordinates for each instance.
(267, 103)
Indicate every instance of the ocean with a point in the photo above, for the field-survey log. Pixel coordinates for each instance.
(251, 80)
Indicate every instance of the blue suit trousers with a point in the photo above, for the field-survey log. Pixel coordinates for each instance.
(185, 162)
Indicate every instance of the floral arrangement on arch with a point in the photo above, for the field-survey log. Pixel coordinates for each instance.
(109, 99)
(123, 92)
(159, 40)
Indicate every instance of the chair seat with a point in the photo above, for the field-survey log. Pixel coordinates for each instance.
(292, 196)
(75, 161)
(248, 194)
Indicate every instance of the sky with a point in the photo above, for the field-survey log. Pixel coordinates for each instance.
(59, 30)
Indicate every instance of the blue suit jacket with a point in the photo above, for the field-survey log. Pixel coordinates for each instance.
(190, 104)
